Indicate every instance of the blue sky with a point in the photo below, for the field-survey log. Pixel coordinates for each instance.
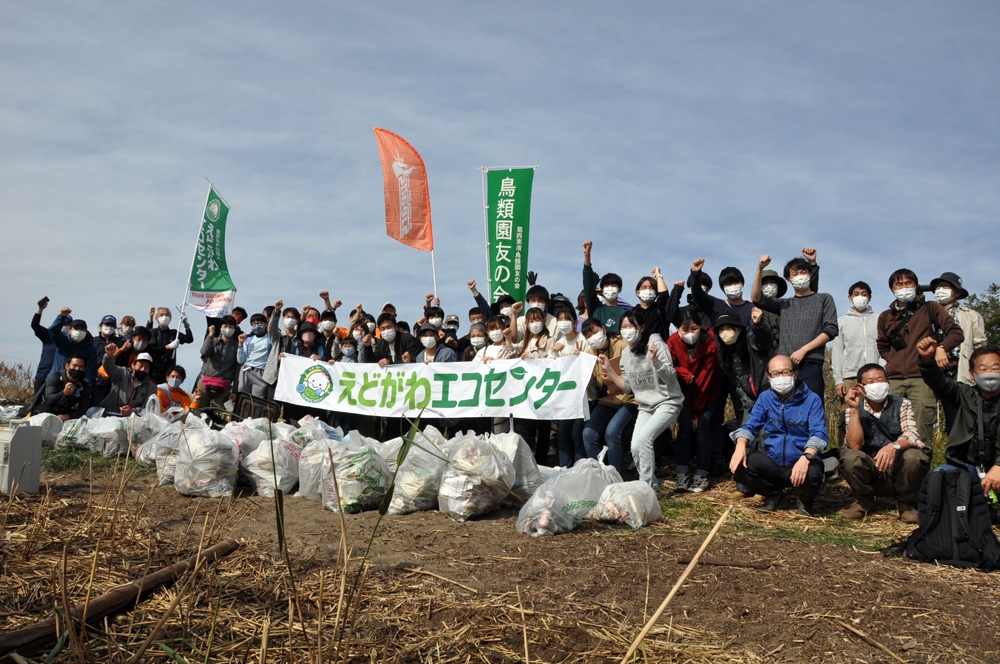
(663, 131)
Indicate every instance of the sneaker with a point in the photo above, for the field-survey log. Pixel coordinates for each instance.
(699, 484)
(682, 483)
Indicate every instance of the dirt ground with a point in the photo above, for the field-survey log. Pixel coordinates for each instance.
(442, 591)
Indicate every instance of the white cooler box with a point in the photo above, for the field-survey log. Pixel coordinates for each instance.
(20, 457)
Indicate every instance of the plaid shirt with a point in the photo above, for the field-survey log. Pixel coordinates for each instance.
(906, 420)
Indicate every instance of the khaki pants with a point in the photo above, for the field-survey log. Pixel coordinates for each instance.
(849, 384)
(902, 482)
(924, 405)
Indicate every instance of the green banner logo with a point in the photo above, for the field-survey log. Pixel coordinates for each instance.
(315, 384)
(508, 201)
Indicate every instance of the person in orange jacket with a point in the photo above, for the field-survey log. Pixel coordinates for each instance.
(170, 393)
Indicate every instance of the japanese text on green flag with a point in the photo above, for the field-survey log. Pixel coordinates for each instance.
(508, 212)
(211, 288)
(530, 389)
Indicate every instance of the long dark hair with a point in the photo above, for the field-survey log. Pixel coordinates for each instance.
(636, 318)
(528, 334)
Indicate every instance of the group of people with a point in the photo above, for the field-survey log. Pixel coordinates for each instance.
(765, 354)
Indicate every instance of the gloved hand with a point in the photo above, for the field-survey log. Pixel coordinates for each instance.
(173, 344)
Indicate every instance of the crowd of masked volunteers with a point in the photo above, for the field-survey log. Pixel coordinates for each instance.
(758, 345)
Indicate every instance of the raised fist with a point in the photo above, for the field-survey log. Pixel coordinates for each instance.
(809, 254)
(756, 315)
(926, 348)
(697, 264)
(765, 260)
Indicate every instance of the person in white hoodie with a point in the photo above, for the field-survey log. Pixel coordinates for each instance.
(855, 346)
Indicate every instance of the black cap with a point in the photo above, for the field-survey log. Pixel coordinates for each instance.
(728, 318)
(954, 280)
(78, 323)
(425, 328)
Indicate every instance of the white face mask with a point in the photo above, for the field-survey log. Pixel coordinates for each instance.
(630, 335)
(291, 323)
(769, 290)
(496, 336)
(905, 295)
(478, 342)
(107, 330)
(371, 327)
(610, 292)
(800, 282)
(139, 345)
(729, 337)
(164, 321)
(783, 384)
(429, 341)
(357, 334)
(507, 311)
(174, 382)
(389, 335)
(535, 327)
(564, 326)
(78, 335)
(876, 392)
(647, 295)
(327, 325)
(536, 305)
(734, 292)
(860, 302)
(690, 338)
(434, 322)
(126, 329)
(944, 295)
(598, 340)
(227, 332)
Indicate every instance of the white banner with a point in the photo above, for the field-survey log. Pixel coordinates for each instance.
(529, 389)
(212, 305)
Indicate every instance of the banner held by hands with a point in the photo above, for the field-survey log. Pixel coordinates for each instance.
(210, 288)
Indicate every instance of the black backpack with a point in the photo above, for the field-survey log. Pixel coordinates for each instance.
(954, 520)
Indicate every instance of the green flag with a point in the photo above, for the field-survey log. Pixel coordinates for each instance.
(211, 289)
(508, 210)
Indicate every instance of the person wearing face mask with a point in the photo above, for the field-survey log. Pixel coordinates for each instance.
(465, 349)
(48, 348)
(568, 342)
(252, 353)
(695, 355)
(219, 365)
(130, 388)
(537, 344)
(900, 328)
(66, 393)
(164, 341)
(537, 297)
(884, 455)
(658, 306)
(310, 343)
(972, 442)
(608, 313)
(808, 320)
(948, 291)
(854, 346)
(330, 336)
(498, 346)
(126, 353)
(790, 415)
(282, 331)
(774, 287)
(394, 347)
(433, 349)
(171, 393)
(127, 327)
(731, 280)
(76, 340)
(477, 340)
(614, 410)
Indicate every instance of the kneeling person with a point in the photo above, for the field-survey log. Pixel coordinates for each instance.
(791, 417)
(884, 454)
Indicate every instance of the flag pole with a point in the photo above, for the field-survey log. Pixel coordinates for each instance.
(486, 232)
(434, 274)
(194, 254)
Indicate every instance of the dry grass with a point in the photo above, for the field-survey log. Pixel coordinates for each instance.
(17, 383)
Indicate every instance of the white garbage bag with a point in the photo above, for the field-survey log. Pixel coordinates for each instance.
(476, 480)
(51, 427)
(527, 477)
(418, 479)
(108, 436)
(246, 437)
(206, 464)
(311, 468)
(73, 434)
(632, 503)
(362, 477)
(279, 461)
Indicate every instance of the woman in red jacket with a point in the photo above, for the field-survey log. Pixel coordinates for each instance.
(696, 360)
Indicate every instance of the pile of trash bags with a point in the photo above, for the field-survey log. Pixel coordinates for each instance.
(464, 477)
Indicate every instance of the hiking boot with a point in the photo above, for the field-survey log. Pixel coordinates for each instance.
(907, 511)
(682, 483)
(699, 484)
(737, 495)
(861, 508)
(770, 503)
(804, 506)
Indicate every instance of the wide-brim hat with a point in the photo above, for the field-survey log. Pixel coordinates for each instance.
(954, 280)
(771, 274)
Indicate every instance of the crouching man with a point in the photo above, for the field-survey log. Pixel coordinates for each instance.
(884, 454)
(130, 388)
(791, 417)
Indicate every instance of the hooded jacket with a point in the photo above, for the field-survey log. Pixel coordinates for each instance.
(125, 390)
(789, 426)
(67, 348)
(855, 346)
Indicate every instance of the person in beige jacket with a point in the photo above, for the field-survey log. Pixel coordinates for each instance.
(615, 410)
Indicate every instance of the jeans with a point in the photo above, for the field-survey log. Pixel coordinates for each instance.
(571, 447)
(701, 438)
(649, 425)
(609, 423)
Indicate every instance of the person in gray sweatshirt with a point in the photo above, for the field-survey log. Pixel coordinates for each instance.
(854, 346)
(648, 374)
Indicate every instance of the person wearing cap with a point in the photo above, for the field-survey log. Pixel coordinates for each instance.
(130, 388)
(219, 365)
(77, 340)
(908, 320)
(66, 393)
(433, 346)
(855, 346)
(108, 335)
(948, 291)
(164, 341)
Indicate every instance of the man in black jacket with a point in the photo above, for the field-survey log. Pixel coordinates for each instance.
(66, 392)
(393, 348)
(163, 342)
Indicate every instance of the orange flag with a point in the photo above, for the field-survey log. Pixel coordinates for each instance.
(407, 199)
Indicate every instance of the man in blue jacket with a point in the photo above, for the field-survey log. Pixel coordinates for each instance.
(791, 417)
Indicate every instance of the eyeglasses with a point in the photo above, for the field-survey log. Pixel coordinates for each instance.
(784, 373)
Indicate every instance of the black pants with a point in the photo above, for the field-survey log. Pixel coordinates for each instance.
(762, 475)
(538, 434)
(811, 373)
